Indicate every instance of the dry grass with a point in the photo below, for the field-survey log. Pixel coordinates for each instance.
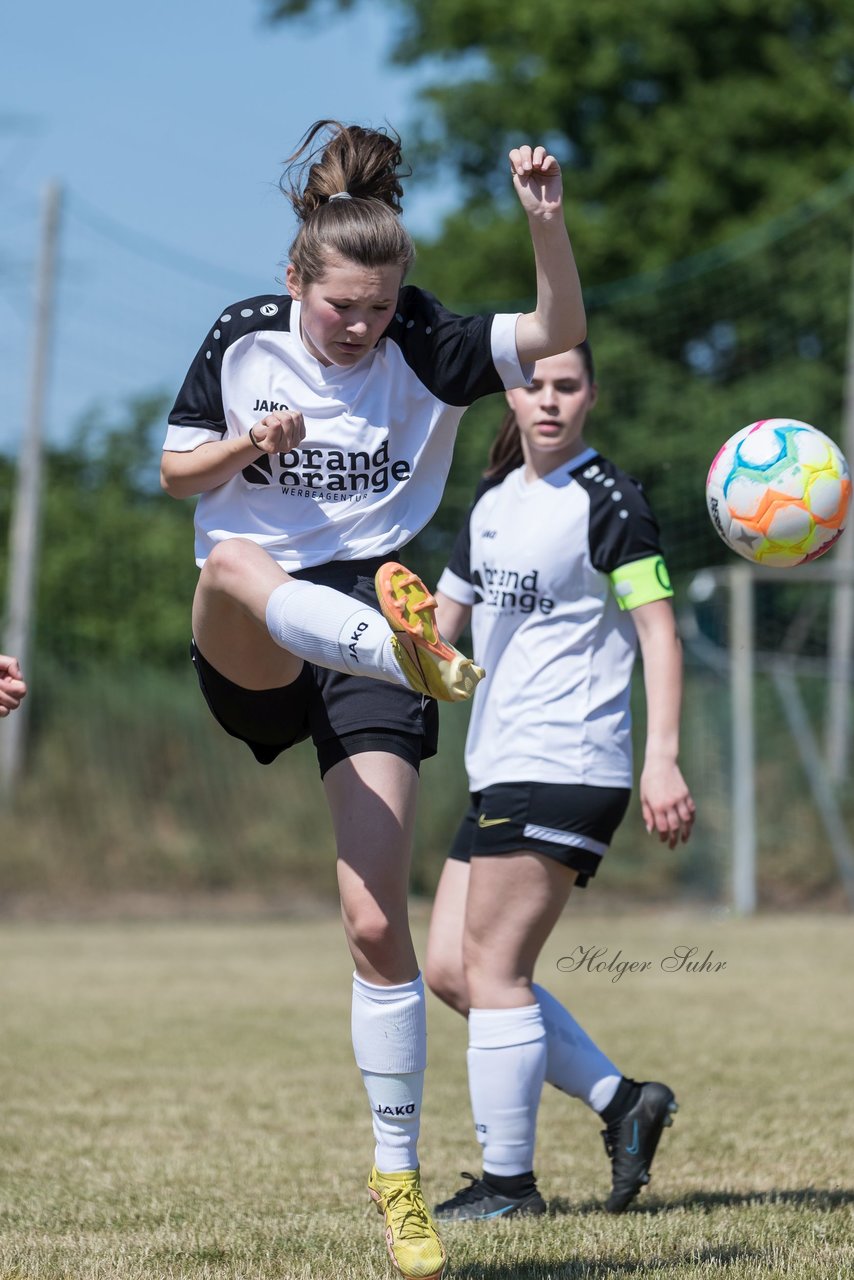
(180, 1100)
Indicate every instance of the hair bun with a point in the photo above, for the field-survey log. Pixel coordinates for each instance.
(335, 160)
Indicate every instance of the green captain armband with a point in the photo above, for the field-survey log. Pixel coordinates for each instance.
(641, 582)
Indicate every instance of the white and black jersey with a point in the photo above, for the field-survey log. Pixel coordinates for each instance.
(550, 568)
(379, 434)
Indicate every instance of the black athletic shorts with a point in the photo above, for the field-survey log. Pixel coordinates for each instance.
(571, 823)
(342, 714)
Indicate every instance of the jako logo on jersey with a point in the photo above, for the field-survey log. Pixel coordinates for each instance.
(269, 309)
(354, 640)
(317, 473)
(407, 1110)
(511, 591)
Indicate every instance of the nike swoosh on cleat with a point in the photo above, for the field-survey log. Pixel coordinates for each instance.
(491, 822)
(635, 1147)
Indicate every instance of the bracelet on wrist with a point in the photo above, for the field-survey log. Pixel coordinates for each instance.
(254, 441)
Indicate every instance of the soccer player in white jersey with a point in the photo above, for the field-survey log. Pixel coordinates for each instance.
(12, 685)
(560, 572)
(318, 428)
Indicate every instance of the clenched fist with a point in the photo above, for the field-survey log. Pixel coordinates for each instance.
(278, 432)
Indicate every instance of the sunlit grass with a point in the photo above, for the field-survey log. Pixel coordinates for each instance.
(180, 1100)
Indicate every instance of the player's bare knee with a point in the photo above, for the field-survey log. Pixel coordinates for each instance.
(226, 559)
(372, 933)
(447, 983)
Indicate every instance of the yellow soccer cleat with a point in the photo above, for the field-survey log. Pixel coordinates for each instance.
(411, 1238)
(431, 665)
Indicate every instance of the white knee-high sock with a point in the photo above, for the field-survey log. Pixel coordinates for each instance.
(575, 1064)
(507, 1064)
(328, 627)
(389, 1027)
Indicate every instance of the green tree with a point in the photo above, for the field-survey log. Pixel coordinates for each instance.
(116, 574)
(679, 122)
(682, 126)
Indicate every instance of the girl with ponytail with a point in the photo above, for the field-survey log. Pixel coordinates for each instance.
(316, 428)
(559, 570)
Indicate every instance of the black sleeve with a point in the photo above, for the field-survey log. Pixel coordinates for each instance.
(622, 525)
(199, 402)
(459, 561)
(450, 354)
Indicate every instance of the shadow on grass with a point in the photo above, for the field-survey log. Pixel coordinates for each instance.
(584, 1269)
(808, 1197)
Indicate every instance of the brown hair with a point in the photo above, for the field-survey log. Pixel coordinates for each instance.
(365, 164)
(505, 454)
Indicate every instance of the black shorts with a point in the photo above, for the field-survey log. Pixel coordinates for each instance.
(342, 714)
(572, 823)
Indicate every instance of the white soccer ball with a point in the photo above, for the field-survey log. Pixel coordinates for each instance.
(778, 492)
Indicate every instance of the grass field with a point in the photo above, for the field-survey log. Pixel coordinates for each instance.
(180, 1100)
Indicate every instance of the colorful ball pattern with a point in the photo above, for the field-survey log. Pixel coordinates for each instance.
(778, 492)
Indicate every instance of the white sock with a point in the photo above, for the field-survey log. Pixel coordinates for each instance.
(389, 1027)
(507, 1064)
(331, 629)
(575, 1064)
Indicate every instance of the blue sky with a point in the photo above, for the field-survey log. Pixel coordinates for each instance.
(165, 123)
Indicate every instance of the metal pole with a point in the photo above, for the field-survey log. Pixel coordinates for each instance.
(24, 537)
(743, 752)
(826, 803)
(838, 715)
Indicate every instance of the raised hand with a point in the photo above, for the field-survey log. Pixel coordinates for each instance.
(537, 179)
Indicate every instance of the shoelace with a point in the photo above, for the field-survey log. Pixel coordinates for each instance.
(471, 1193)
(611, 1137)
(414, 1219)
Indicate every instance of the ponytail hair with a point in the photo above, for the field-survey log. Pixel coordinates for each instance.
(505, 453)
(362, 168)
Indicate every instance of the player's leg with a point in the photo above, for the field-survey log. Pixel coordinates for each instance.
(252, 621)
(574, 1062)
(243, 592)
(575, 824)
(372, 798)
(635, 1114)
(513, 902)
(443, 966)
(229, 626)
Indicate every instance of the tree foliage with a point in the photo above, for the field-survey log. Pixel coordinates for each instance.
(116, 570)
(682, 126)
(678, 121)
(705, 146)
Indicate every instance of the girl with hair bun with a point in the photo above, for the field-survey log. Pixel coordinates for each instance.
(317, 429)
